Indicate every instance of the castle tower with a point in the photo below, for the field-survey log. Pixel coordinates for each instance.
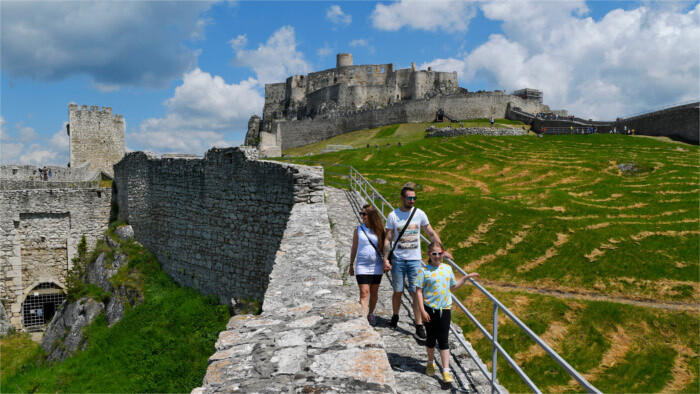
(344, 60)
(96, 136)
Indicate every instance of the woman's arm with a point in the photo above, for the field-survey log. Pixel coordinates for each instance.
(419, 300)
(353, 253)
(463, 280)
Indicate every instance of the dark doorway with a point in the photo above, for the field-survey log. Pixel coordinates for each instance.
(40, 306)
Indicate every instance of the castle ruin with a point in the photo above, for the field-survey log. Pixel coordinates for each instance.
(43, 219)
(96, 137)
(309, 108)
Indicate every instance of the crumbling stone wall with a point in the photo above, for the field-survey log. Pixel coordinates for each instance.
(214, 223)
(96, 136)
(39, 233)
(461, 105)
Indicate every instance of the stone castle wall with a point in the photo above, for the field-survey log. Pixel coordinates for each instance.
(96, 136)
(459, 106)
(682, 122)
(214, 223)
(39, 233)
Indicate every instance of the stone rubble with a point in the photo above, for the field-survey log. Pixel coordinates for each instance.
(490, 131)
(406, 355)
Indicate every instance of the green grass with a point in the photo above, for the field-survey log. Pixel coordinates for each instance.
(392, 135)
(161, 345)
(556, 213)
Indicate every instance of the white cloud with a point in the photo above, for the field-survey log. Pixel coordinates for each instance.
(337, 16)
(204, 111)
(60, 139)
(362, 43)
(38, 155)
(629, 60)
(449, 16)
(273, 61)
(26, 133)
(10, 152)
(325, 50)
(4, 136)
(117, 43)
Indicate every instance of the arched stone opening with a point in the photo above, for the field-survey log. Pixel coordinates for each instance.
(40, 305)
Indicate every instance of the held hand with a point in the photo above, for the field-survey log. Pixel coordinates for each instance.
(387, 265)
(426, 316)
(474, 275)
(351, 271)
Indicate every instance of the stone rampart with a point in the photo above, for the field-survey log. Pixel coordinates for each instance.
(462, 106)
(311, 336)
(214, 223)
(58, 174)
(681, 122)
(39, 233)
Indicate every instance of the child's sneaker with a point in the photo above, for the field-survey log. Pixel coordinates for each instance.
(430, 369)
(372, 320)
(447, 377)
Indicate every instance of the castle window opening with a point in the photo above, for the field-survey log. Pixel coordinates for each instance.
(41, 305)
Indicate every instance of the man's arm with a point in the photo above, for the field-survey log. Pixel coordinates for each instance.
(434, 237)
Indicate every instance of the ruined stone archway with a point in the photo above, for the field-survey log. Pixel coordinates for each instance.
(40, 304)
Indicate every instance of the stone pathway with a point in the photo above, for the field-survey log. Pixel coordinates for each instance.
(406, 355)
(311, 337)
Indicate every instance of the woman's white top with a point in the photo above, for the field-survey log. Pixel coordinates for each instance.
(367, 261)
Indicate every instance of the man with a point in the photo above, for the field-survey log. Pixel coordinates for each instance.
(407, 254)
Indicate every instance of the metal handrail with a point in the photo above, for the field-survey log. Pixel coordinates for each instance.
(359, 183)
(648, 111)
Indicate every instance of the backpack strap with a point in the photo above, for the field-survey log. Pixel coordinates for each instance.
(370, 242)
(408, 222)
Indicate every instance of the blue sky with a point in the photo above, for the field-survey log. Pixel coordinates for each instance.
(188, 75)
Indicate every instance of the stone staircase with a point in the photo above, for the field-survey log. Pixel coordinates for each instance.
(406, 355)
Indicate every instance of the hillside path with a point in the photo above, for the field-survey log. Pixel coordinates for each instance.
(406, 355)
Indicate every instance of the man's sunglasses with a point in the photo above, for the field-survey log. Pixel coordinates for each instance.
(363, 213)
(411, 198)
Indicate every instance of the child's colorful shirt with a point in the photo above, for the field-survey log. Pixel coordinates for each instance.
(436, 283)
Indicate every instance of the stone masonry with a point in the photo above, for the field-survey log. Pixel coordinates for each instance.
(311, 337)
(96, 137)
(310, 108)
(39, 233)
(214, 223)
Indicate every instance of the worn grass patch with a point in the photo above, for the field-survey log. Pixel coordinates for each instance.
(609, 215)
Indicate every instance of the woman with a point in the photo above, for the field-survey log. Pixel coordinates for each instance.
(370, 267)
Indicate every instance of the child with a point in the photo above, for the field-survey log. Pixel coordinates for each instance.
(438, 281)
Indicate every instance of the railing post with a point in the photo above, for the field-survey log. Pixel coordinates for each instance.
(494, 351)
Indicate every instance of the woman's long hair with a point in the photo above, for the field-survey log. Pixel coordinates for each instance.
(375, 224)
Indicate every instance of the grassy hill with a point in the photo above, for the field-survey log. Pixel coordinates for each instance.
(392, 135)
(591, 239)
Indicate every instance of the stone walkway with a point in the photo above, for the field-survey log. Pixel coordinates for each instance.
(311, 337)
(406, 355)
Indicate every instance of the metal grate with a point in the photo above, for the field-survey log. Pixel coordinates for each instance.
(41, 305)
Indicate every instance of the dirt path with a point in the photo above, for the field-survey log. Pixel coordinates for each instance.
(591, 296)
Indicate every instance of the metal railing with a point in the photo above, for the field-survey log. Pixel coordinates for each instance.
(358, 183)
(648, 111)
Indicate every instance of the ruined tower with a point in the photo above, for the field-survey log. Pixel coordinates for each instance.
(96, 136)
